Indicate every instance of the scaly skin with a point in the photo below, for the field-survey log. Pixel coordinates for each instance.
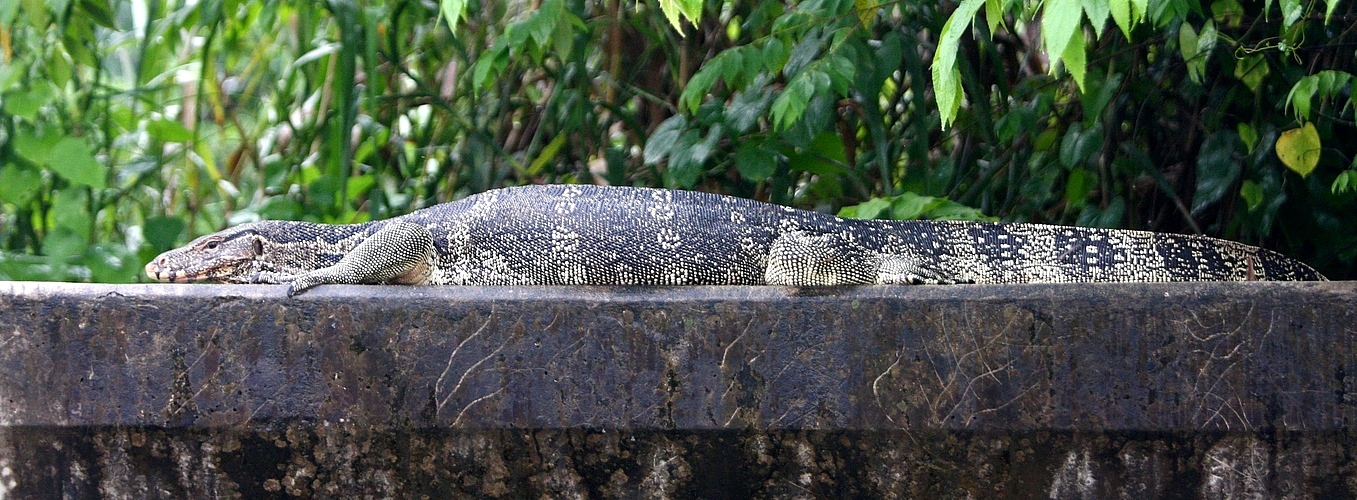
(598, 235)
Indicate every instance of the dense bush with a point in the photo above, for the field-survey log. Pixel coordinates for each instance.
(129, 127)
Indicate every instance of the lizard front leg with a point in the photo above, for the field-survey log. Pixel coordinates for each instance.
(399, 252)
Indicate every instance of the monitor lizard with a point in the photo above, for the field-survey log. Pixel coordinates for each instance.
(601, 235)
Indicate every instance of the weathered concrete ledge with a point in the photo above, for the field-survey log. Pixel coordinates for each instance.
(1144, 389)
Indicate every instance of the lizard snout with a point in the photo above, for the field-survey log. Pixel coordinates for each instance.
(156, 270)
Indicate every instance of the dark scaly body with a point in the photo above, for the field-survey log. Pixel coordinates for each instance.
(595, 235)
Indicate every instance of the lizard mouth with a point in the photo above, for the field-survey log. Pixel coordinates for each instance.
(155, 271)
(159, 269)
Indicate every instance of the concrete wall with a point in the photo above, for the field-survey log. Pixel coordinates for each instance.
(1064, 390)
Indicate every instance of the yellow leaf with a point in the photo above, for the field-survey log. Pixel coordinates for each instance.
(866, 11)
(1299, 148)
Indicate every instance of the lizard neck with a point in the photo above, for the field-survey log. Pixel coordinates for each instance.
(292, 247)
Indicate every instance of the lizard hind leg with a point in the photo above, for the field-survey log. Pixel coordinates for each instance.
(805, 258)
(399, 252)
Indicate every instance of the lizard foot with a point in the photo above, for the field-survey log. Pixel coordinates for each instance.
(296, 283)
(895, 269)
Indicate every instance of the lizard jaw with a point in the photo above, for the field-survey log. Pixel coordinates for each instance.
(155, 270)
(163, 270)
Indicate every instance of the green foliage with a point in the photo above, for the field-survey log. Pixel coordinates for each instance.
(911, 206)
(1230, 123)
(130, 127)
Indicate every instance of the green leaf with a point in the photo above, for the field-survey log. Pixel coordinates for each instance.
(1121, 13)
(689, 9)
(1093, 215)
(840, 71)
(1097, 12)
(1299, 149)
(162, 232)
(1187, 42)
(489, 65)
(1346, 181)
(37, 14)
(748, 105)
(1019, 120)
(951, 210)
(72, 159)
(1079, 185)
(1332, 83)
(733, 64)
(18, 185)
(99, 12)
(1301, 94)
(1252, 194)
(1291, 12)
(683, 171)
(661, 142)
(1249, 135)
(1074, 58)
(946, 76)
(7, 10)
(1138, 10)
(1330, 5)
(307, 175)
(70, 212)
(824, 156)
(1217, 168)
(994, 14)
(547, 155)
(1099, 94)
(111, 263)
(1059, 20)
(1201, 50)
(910, 206)
(26, 104)
(700, 84)
(1228, 12)
(1252, 70)
(541, 24)
(702, 150)
(804, 52)
(36, 148)
(453, 11)
(870, 209)
(1046, 139)
(775, 55)
(789, 105)
(359, 185)
(755, 162)
(167, 130)
(60, 245)
(947, 87)
(1078, 146)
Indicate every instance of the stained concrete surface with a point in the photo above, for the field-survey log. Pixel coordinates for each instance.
(1069, 391)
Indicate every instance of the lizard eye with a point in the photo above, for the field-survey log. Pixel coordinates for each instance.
(212, 245)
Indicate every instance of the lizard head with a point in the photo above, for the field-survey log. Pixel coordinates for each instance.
(228, 256)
